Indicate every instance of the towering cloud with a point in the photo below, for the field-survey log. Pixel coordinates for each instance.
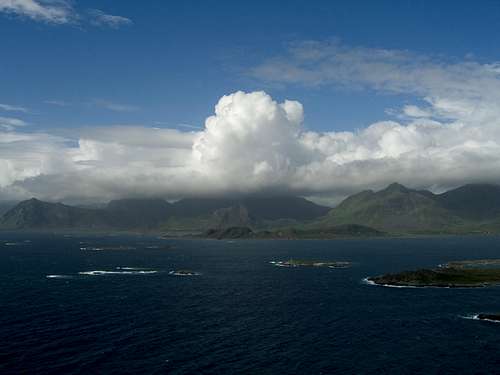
(251, 143)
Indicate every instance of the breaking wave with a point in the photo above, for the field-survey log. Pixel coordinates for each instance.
(59, 276)
(118, 272)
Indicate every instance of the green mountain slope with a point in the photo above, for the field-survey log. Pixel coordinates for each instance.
(35, 214)
(265, 208)
(6, 206)
(478, 202)
(394, 209)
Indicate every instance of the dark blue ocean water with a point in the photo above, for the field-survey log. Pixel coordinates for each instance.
(241, 315)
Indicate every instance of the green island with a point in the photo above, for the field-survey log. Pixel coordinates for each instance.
(310, 263)
(458, 274)
(476, 263)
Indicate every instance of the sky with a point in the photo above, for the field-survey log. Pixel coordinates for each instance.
(108, 99)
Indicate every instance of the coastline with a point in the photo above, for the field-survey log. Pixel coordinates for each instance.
(201, 236)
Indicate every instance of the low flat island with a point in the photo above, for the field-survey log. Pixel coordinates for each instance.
(457, 274)
(184, 273)
(310, 263)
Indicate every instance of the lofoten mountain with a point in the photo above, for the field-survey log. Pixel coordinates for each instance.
(160, 215)
(398, 209)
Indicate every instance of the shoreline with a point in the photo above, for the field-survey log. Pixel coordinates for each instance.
(367, 281)
(192, 236)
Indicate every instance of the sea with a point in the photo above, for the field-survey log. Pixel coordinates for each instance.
(82, 304)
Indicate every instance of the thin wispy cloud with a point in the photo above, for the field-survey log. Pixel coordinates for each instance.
(59, 103)
(182, 125)
(61, 12)
(99, 18)
(99, 103)
(449, 88)
(12, 108)
(113, 106)
(188, 126)
(10, 123)
(55, 12)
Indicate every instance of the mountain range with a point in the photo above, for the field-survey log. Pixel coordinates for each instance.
(473, 208)
(186, 215)
(397, 209)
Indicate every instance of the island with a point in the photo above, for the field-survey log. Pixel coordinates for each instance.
(332, 232)
(457, 274)
(489, 317)
(105, 248)
(310, 263)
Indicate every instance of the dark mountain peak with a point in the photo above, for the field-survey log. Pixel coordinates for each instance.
(37, 214)
(282, 207)
(396, 187)
(234, 216)
(31, 201)
(267, 208)
(34, 204)
(394, 208)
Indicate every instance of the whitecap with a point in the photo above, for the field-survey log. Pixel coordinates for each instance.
(367, 281)
(281, 264)
(59, 276)
(184, 273)
(476, 317)
(91, 248)
(121, 272)
(471, 317)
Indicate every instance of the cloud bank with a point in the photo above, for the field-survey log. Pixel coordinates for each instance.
(254, 144)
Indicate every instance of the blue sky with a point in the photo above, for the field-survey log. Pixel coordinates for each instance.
(108, 99)
(176, 59)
